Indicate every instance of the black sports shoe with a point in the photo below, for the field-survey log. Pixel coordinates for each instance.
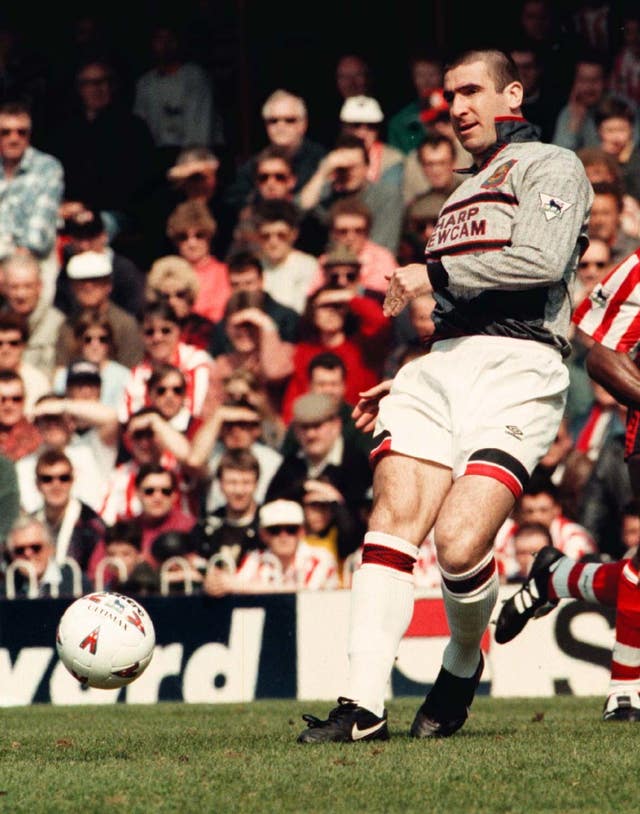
(446, 706)
(623, 707)
(346, 723)
(531, 600)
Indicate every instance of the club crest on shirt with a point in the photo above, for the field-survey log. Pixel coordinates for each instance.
(552, 206)
(498, 176)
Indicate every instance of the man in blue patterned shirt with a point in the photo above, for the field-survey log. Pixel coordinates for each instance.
(31, 187)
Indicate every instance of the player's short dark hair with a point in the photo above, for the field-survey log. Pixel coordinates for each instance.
(500, 64)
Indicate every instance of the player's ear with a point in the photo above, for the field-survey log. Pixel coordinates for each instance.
(514, 92)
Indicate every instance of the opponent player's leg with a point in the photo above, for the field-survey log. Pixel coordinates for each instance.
(407, 494)
(469, 519)
(552, 577)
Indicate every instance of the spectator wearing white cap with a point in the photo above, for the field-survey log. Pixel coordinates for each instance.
(85, 231)
(91, 276)
(288, 564)
(362, 116)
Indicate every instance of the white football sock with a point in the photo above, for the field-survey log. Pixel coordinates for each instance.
(381, 609)
(468, 615)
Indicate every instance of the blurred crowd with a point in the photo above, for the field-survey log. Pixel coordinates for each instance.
(185, 330)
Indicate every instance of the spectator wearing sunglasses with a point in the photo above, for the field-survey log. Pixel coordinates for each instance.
(146, 439)
(286, 121)
(94, 344)
(84, 230)
(288, 272)
(167, 389)
(158, 494)
(54, 420)
(171, 279)
(191, 229)
(30, 544)
(339, 319)
(32, 183)
(91, 276)
(275, 180)
(350, 228)
(161, 330)
(287, 564)
(18, 435)
(75, 528)
(14, 335)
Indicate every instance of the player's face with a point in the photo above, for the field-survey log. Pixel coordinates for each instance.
(475, 103)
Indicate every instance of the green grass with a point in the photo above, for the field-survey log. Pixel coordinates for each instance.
(513, 755)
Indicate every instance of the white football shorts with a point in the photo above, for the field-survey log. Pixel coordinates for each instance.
(482, 405)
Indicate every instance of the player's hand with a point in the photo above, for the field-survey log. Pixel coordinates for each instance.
(366, 410)
(405, 283)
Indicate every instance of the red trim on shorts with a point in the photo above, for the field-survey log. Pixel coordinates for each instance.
(389, 557)
(497, 473)
(383, 448)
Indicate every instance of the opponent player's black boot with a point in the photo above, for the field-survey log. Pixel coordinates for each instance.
(347, 723)
(622, 707)
(531, 600)
(446, 706)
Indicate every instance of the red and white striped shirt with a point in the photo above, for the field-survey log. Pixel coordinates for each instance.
(611, 313)
(314, 568)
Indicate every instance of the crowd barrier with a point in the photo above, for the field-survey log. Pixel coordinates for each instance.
(238, 649)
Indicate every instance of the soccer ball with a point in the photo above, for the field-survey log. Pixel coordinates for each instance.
(105, 640)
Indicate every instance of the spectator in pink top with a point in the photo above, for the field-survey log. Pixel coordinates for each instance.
(191, 229)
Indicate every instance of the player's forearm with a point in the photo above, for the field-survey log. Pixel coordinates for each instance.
(616, 372)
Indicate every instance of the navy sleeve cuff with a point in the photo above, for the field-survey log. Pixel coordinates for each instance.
(437, 274)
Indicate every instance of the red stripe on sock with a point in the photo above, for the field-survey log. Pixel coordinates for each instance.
(497, 473)
(389, 557)
(620, 672)
(465, 586)
(573, 579)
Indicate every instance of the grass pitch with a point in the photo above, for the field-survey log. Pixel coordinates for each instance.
(513, 755)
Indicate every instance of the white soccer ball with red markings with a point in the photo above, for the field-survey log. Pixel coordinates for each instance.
(105, 640)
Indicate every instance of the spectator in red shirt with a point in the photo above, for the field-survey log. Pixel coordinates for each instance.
(156, 489)
(347, 324)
